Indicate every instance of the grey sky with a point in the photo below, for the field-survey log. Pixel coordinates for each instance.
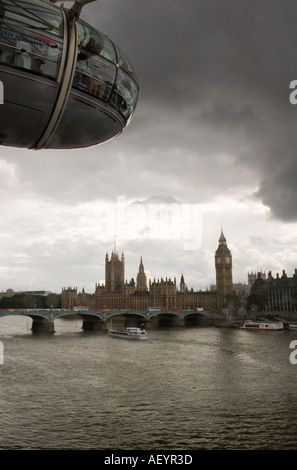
(210, 71)
(213, 126)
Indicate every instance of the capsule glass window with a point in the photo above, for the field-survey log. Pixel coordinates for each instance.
(31, 35)
(93, 41)
(124, 63)
(124, 95)
(94, 75)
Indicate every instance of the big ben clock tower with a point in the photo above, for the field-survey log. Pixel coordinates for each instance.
(223, 264)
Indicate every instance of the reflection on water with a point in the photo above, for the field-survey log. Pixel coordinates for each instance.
(184, 388)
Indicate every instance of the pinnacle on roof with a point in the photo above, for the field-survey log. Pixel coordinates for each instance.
(222, 239)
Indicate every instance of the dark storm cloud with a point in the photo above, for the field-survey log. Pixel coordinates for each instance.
(214, 79)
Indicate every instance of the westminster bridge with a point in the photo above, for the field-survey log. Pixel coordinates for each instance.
(44, 319)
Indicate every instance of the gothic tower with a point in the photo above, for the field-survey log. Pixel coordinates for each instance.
(223, 265)
(141, 283)
(182, 285)
(114, 273)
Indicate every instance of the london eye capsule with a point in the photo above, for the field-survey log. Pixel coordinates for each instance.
(66, 85)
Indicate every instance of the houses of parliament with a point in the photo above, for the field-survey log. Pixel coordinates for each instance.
(164, 293)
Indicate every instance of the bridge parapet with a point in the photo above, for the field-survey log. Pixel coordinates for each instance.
(92, 318)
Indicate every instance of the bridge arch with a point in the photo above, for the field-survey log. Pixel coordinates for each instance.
(167, 317)
(195, 313)
(25, 313)
(80, 313)
(164, 313)
(40, 319)
(196, 318)
(126, 313)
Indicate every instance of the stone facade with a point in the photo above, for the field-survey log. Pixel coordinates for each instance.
(281, 291)
(164, 293)
(223, 265)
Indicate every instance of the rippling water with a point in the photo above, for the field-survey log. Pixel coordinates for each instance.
(184, 388)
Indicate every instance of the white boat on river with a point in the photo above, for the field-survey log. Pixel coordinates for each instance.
(128, 333)
(261, 325)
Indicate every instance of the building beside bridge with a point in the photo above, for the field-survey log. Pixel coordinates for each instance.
(281, 291)
(10, 293)
(118, 293)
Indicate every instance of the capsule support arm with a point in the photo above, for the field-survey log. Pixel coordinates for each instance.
(74, 12)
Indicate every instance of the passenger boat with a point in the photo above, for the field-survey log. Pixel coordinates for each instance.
(261, 325)
(128, 333)
(292, 326)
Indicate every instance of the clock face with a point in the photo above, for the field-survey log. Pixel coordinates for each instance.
(218, 260)
(227, 259)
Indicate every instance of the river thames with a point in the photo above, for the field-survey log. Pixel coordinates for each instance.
(184, 388)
